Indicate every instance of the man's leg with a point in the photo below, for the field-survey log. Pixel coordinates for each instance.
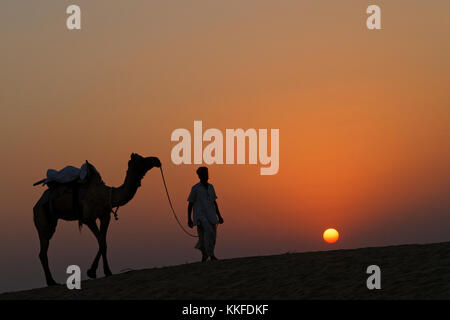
(213, 241)
(209, 236)
(201, 242)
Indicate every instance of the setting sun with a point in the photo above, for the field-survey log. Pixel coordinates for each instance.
(331, 235)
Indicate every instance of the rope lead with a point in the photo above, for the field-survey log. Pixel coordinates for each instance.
(171, 207)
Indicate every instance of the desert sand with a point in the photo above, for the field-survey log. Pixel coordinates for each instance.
(407, 272)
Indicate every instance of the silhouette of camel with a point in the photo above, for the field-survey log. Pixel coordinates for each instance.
(96, 201)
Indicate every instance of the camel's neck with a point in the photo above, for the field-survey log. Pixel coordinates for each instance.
(123, 194)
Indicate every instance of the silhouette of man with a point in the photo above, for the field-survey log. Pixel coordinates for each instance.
(206, 214)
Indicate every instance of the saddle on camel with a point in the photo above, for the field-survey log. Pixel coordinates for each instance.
(68, 180)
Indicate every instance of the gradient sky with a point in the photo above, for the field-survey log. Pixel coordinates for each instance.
(364, 119)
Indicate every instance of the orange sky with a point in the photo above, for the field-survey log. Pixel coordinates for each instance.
(363, 116)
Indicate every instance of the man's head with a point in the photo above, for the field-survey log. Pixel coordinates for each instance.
(202, 173)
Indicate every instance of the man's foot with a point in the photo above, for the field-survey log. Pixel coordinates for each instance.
(204, 257)
(214, 258)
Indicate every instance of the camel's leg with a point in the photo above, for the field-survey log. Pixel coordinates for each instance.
(104, 224)
(92, 272)
(45, 226)
(100, 235)
(44, 261)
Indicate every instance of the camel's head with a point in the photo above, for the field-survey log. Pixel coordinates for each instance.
(141, 165)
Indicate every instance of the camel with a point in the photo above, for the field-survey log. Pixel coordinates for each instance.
(95, 200)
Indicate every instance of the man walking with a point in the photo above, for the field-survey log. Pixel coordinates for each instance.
(206, 214)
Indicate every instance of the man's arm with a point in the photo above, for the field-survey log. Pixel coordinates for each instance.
(190, 223)
(218, 212)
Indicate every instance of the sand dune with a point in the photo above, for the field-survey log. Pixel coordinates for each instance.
(407, 272)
